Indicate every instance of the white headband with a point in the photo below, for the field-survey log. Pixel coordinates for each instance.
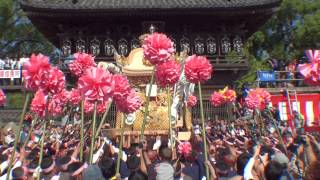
(79, 171)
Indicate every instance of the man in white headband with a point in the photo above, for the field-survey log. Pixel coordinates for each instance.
(48, 168)
(76, 169)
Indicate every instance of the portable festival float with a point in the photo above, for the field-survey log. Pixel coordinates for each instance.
(142, 108)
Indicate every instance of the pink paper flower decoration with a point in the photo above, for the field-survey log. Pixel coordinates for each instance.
(38, 104)
(184, 148)
(122, 87)
(311, 71)
(197, 69)
(88, 107)
(264, 95)
(216, 99)
(157, 48)
(96, 85)
(253, 101)
(61, 98)
(34, 71)
(55, 107)
(168, 73)
(82, 62)
(192, 101)
(53, 82)
(2, 98)
(129, 104)
(75, 97)
(229, 95)
(101, 107)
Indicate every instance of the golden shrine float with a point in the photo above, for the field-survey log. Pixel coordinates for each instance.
(139, 72)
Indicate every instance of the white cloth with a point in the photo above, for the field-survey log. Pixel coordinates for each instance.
(247, 170)
(156, 145)
(99, 153)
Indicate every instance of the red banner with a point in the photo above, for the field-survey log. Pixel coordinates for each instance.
(307, 104)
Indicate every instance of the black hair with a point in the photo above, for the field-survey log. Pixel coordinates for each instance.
(17, 173)
(165, 154)
(74, 166)
(133, 162)
(138, 175)
(46, 162)
(33, 164)
(107, 167)
(241, 162)
(273, 170)
(3, 158)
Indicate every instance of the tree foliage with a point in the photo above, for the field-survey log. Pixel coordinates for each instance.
(295, 28)
(292, 30)
(17, 34)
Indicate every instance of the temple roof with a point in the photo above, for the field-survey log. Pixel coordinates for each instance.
(146, 4)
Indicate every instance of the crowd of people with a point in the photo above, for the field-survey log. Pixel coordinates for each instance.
(241, 149)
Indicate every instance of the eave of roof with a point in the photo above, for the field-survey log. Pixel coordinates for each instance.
(138, 7)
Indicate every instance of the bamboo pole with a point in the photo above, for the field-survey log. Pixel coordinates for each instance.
(146, 108)
(203, 132)
(17, 137)
(93, 132)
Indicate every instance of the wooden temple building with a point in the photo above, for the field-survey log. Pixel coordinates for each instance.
(217, 29)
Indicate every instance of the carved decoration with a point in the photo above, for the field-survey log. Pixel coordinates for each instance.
(95, 47)
(211, 46)
(185, 43)
(225, 45)
(80, 46)
(66, 47)
(134, 43)
(237, 45)
(199, 46)
(108, 47)
(123, 47)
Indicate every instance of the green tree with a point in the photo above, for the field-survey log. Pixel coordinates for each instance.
(295, 28)
(17, 34)
(292, 30)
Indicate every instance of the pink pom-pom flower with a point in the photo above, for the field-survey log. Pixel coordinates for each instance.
(197, 69)
(54, 82)
(75, 97)
(96, 85)
(122, 87)
(82, 62)
(216, 99)
(34, 71)
(253, 101)
(102, 107)
(229, 95)
(38, 104)
(185, 149)
(168, 73)
(257, 99)
(192, 101)
(311, 71)
(2, 98)
(88, 107)
(157, 48)
(129, 104)
(55, 107)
